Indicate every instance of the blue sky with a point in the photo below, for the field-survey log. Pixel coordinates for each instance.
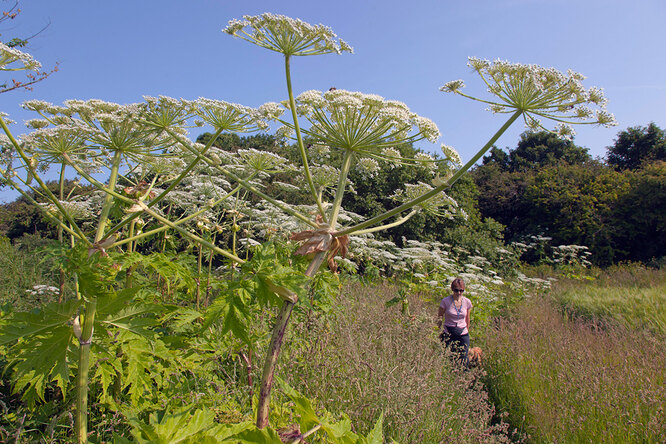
(404, 50)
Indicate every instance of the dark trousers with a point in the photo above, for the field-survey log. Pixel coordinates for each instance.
(458, 344)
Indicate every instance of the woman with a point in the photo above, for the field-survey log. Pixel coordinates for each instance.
(455, 310)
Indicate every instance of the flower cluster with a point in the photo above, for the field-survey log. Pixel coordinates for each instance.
(263, 161)
(538, 93)
(11, 56)
(228, 116)
(363, 123)
(441, 205)
(287, 35)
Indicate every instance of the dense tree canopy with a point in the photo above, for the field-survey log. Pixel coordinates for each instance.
(546, 186)
(535, 150)
(637, 145)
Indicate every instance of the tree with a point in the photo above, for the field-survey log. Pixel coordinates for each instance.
(498, 157)
(539, 149)
(574, 204)
(637, 145)
(640, 219)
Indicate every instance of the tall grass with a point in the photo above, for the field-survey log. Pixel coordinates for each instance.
(369, 358)
(23, 267)
(566, 380)
(632, 295)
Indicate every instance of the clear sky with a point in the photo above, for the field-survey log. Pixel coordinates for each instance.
(405, 50)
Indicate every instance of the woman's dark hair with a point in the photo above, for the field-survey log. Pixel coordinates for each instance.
(458, 282)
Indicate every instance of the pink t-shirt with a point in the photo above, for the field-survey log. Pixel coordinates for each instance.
(453, 317)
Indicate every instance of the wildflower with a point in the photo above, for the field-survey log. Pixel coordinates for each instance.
(325, 176)
(165, 112)
(451, 155)
(362, 123)
(36, 105)
(264, 161)
(54, 145)
(37, 123)
(538, 92)
(227, 116)
(270, 111)
(9, 56)
(287, 35)
(391, 155)
(368, 166)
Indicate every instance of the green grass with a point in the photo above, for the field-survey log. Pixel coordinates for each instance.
(22, 267)
(631, 295)
(636, 308)
(366, 359)
(591, 373)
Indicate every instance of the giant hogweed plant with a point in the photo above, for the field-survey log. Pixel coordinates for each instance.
(136, 156)
(133, 143)
(366, 126)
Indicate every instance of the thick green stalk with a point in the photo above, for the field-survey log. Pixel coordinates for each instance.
(397, 222)
(412, 203)
(108, 200)
(340, 192)
(299, 138)
(199, 267)
(274, 347)
(82, 377)
(61, 272)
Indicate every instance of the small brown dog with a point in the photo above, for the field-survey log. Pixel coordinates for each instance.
(474, 356)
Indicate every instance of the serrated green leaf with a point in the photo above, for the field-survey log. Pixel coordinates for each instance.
(41, 359)
(113, 302)
(302, 406)
(37, 322)
(376, 435)
(232, 311)
(106, 375)
(339, 430)
(255, 436)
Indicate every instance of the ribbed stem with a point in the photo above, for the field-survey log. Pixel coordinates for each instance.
(274, 348)
(340, 192)
(299, 138)
(108, 200)
(82, 376)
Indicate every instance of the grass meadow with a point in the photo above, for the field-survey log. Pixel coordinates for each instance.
(586, 362)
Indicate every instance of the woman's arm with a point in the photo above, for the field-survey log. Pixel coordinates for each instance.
(467, 318)
(440, 315)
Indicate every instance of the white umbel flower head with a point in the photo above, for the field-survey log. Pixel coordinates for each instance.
(539, 93)
(451, 155)
(227, 116)
(11, 59)
(287, 35)
(363, 123)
